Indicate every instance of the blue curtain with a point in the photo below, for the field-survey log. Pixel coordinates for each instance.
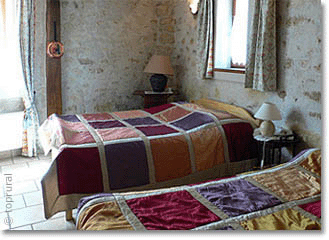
(31, 120)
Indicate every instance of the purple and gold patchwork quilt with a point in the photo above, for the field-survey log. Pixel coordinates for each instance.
(287, 197)
(141, 149)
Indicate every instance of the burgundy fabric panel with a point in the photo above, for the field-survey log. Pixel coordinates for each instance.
(314, 208)
(238, 197)
(240, 141)
(156, 130)
(160, 108)
(79, 171)
(171, 211)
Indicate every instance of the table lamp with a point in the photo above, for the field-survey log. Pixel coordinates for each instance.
(160, 66)
(268, 112)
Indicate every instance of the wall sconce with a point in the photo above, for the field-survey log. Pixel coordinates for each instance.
(194, 6)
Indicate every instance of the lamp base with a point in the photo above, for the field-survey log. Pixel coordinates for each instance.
(158, 82)
(267, 128)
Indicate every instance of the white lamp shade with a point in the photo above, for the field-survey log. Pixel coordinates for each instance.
(160, 65)
(268, 111)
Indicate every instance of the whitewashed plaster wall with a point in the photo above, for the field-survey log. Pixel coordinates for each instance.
(107, 46)
(299, 68)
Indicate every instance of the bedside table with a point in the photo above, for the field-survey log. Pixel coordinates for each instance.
(153, 99)
(268, 145)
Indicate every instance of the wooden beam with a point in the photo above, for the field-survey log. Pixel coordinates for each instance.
(53, 65)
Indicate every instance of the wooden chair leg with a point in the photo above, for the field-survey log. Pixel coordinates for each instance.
(69, 215)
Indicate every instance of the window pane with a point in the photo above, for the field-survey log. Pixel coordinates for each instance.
(11, 128)
(239, 33)
(230, 37)
(10, 69)
(223, 29)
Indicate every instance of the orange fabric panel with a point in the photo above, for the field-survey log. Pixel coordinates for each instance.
(208, 148)
(170, 157)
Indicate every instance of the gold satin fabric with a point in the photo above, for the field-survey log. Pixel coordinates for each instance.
(288, 219)
(103, 216)
(171, 158)
(313, 162)
(208, 148)
(290, 184)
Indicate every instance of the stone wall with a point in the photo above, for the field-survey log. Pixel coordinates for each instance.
(109, 42)
(107, 46)
(299, 68)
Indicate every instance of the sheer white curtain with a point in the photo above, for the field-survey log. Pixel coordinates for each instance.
(239, 33)
(223, 34)
(10, 65)
(17, 22)
(11, 116)
(231, 35)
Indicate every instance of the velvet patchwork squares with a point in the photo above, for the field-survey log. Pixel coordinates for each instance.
(156, 130)
(71, 126)
(238, 197)
(116, 133)
(172, 114)
(313, 208)
(124, 168)
(288, 219)
(193, 120)
(170, 157)
(158, 109)
(97, 116)
(69, 118)
(106, 124)
(79, 137)
(131, 114)
(171, 211)
(290, 183)
(142, 121)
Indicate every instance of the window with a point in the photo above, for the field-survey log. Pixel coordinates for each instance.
(11, 115)
(231, 18)
(11, 76)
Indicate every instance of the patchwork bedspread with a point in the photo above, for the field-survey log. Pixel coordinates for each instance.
(287, 197)
(108, 152)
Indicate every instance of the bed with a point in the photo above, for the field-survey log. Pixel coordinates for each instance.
(163, 146)
(286, 197)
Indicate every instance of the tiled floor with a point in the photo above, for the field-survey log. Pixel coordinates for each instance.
(21, 205)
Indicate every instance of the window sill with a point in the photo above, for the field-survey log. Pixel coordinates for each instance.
(230, 75)
(231, 70)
